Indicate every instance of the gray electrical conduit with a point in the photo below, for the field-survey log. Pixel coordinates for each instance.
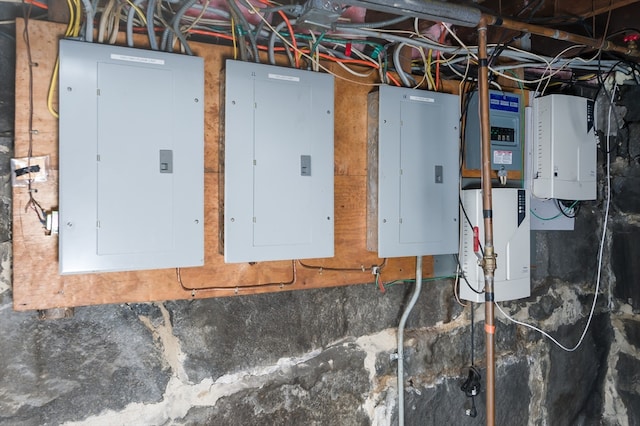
(380, 24)
(272, 42)
(151, 30)
(89, 24)
(130, 15)
(403, 321)
(245, 24)
(176, 26)
(396, 62)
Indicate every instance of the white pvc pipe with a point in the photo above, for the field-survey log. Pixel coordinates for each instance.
(403, 321)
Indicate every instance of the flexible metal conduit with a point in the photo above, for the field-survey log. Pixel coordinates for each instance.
(403, 321)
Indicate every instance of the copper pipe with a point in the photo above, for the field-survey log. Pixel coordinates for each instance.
(598, 44)
(489, 259)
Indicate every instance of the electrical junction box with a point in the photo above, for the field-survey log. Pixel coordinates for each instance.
(413, 149)
(505, 112)
(511, 238)
(564, 160)
(278, 163)
(131, 159)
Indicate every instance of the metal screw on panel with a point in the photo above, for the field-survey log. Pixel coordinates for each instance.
(328, 112)
(233, 220)
(328, 217)
(69, 224)
(196, 221)
(196, 100)
(233, 102)
(69, 89)
(384, 220)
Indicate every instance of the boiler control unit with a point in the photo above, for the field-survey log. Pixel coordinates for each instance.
(511, 229)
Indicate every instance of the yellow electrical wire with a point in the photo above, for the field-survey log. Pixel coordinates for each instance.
(138, 11)
(73, 29)
(233, 35)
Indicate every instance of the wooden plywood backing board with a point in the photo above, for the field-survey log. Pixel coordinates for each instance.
(37, 284)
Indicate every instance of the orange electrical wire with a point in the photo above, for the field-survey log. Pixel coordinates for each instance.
(294, 43)
(393, 79)
(37, 3)
(282, 49)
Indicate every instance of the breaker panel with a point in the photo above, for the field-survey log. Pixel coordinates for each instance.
(412, 200)
(278, 163)
(511, 231)
(505, 112)
(131, 172)
(564, 155)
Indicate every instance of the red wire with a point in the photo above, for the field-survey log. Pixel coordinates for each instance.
(38, 4)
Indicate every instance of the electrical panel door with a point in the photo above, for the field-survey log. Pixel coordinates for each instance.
(131, 159)
(505, 111)
(278, 163)
(511, 240)
(565, 148)
(412, 172)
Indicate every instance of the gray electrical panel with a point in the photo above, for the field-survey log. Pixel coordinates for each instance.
(278, 163)
(131, 159)
(505, 112)
(412, 200)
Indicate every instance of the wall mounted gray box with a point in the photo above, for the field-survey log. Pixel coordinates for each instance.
(278, 163)
(412, 168)
(131, 159)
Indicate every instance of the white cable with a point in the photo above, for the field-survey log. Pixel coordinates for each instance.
(600, 252)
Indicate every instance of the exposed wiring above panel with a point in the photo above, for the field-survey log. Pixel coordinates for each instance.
(260, 30)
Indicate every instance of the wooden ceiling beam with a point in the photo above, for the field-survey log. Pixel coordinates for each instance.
(589, 9)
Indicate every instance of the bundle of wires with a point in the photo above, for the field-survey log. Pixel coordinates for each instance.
(261, 30)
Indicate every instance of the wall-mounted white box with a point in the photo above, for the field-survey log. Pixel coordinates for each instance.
(412, 197)
(131, 159)
(511, 240)
(278, 163)
(565, 148)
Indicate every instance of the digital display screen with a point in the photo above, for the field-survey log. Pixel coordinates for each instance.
(503, 134)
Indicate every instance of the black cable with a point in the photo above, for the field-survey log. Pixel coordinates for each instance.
(465, 278)
(565, 205)
(472, 336)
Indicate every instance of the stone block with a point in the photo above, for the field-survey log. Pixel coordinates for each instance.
(628, 371)
(625, 247)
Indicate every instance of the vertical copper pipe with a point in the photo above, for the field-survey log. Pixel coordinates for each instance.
(489, 260)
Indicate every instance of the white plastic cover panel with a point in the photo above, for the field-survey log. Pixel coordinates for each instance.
(511, 237)
(278, 155)
(413, 163)
(565, 151)
(131, 159)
